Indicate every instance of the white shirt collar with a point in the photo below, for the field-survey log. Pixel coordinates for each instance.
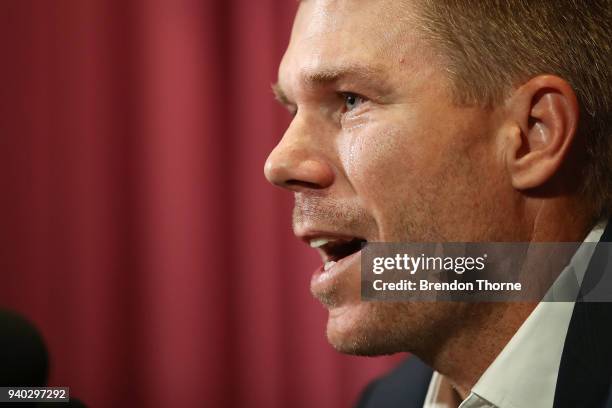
(525, 373)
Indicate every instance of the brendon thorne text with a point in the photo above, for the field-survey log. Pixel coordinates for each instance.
(454, 286)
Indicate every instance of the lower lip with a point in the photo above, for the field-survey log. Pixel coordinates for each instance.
(322, 279)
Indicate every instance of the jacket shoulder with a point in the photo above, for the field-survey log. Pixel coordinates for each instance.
(405, 387)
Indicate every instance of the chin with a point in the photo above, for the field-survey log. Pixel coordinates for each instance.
(382, 328)
(361, 329)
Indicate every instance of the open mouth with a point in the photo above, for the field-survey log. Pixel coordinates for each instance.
(335, 249)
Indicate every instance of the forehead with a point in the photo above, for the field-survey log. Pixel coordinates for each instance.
(328, 33)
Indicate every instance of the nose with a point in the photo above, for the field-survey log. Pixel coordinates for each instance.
(298, 162)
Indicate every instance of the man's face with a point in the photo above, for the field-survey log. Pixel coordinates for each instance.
(378, 151)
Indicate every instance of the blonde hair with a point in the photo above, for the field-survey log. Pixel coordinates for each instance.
(492, 46)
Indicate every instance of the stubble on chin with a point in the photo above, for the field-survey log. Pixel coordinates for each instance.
(383, 328)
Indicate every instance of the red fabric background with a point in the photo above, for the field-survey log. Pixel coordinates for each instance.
(137, 230)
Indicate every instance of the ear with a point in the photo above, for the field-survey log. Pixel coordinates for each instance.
(543, 114)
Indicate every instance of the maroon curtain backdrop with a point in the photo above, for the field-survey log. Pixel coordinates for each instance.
(136, 228)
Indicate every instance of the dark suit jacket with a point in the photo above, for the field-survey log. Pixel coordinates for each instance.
(585, 373)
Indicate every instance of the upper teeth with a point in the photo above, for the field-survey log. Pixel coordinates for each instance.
(319, 242)
(328, 265)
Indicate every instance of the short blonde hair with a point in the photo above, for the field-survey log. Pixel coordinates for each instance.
(492, 46)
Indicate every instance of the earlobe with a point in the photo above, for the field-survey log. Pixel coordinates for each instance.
(544, 113)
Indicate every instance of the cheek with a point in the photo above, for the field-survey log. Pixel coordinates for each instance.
(383, 162)
(367, 153)
(412, 174)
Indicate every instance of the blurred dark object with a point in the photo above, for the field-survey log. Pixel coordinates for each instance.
(23, 354)
(24, 361)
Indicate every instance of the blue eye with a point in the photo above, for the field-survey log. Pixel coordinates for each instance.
(351, 100)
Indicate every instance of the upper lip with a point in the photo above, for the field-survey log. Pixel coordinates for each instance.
(310, 235)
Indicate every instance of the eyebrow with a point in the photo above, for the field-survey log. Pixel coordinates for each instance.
(333, 74)
(330, 75)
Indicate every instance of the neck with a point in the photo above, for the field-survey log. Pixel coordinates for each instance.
(464, 358)
(488, 327)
